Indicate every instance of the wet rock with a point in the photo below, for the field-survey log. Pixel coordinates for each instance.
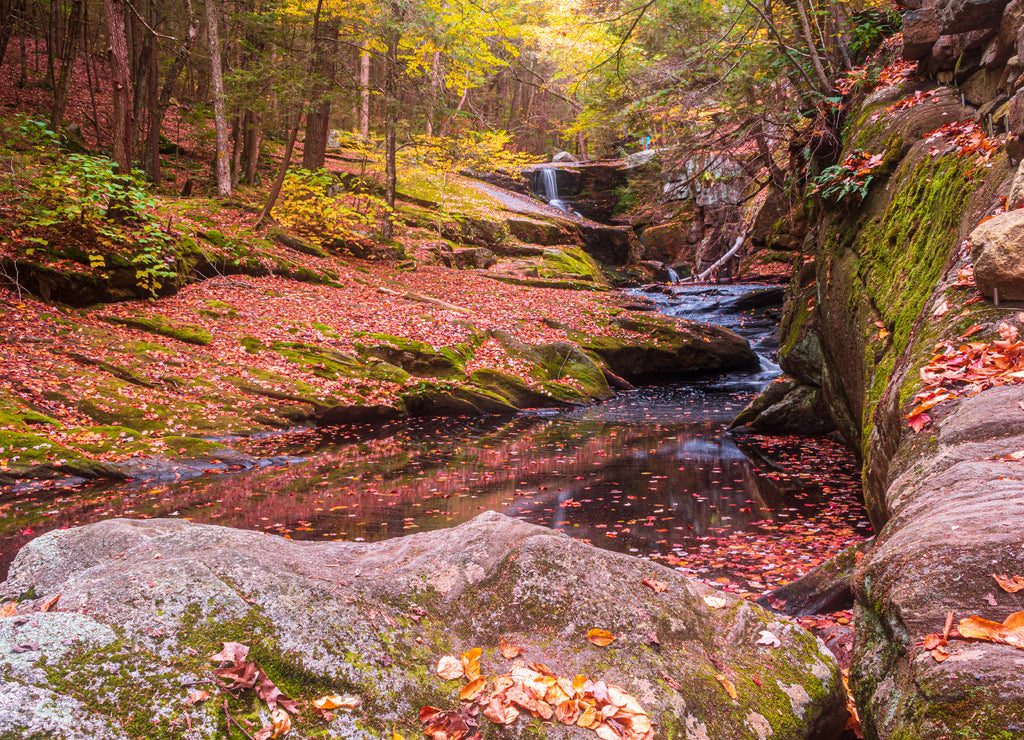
(998, 255)
(775, 391)
(668, 348)
(668, 243)
(801, 411)
(824, 589)
(538, 231)
(158, 597)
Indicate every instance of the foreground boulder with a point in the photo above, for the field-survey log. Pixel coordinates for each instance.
(144, 603)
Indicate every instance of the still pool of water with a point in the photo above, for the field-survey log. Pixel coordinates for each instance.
(651, 472)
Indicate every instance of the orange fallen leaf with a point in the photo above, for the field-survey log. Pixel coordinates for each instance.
(9, 609)
(471, 663)
(472, 689)
(281, 722)
(508, 650)
(567, 712)
(197, 696)
(600, 637)
(1010, 632)
(727, 685)
(1010, 584)
(942, 309)
(940, 654)
(336, 701)
(50, 603)
(973, 329)
(656, 586)
(449, 667)
(933, 641)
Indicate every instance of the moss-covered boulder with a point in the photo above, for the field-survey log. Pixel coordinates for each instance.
(657, 347)
(143, 604)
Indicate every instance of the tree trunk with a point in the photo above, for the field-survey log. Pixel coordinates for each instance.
(318, 122)
(122, 91)
(390, 130)
(275, 189)
(812, 48)
(251, 146)
(213, 13)
(364, 94)
(9, 13)
(156, 119)
(67, 65)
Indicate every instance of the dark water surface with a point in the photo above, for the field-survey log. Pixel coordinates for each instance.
(650, 472)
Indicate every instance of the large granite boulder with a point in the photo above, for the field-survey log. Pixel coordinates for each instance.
(954, 518)
(998, 254)
(144, 604)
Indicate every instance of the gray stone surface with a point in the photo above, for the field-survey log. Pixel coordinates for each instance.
(373, 619)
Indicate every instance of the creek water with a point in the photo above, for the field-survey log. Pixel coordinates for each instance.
(651, 472)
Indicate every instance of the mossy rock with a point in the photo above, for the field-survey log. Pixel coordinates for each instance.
(188, 333)
(312, 614)
(446, 399)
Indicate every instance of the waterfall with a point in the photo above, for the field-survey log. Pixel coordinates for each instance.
(549, 179)
(673, 276)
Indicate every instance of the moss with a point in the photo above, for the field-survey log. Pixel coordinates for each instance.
(20, 449)
(189, 333)
(194, 448)
(252, 345)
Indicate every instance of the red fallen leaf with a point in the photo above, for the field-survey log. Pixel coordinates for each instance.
(656, 586)
(918, 422)
(273, 696)
(933, 641)
(974, 329)
(942, 309)
(671, 681)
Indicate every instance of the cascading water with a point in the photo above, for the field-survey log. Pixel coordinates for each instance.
(549, 179)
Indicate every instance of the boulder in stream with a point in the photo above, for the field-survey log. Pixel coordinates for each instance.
(144, 604)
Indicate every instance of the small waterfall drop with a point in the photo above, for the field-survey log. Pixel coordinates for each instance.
(673, 276)
(549, 179)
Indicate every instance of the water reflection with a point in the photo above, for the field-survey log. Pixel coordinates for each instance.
(649, 472)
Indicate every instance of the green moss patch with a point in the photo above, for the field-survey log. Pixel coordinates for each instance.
(189, 333)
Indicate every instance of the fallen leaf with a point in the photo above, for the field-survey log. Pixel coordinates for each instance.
(501, 713)
(767, 638)
(940, 654)
(50, 603)
(508, 650)
(948, 626)
(600, 637)
(235, 652)
(471, 663)
(449, 668)
(973, 329)
(727, 685)
(1008, 333)
(990, 600)
(472, 689)
(716, 602)
(9, 609)
(1010, 632)
(942, 309)
(281, 722)
(1010, 584)
(671, 681)
(25, 647)
(918, 422)
(267, 690)
(567, 712)
(197, 696)
(656, 586)
(347, 702)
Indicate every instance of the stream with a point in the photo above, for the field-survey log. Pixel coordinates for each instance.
(651, 472)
